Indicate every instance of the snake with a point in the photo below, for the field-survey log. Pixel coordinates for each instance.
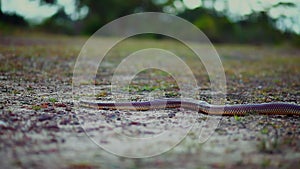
(270, 108)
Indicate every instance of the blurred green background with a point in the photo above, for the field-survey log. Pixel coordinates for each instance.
(223, 21)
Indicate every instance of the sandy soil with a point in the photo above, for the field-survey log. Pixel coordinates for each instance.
(41, 127)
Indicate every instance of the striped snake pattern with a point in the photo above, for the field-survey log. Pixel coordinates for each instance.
(275, 108)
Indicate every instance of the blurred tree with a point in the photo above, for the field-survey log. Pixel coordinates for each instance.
(9, 21)
(219, 26)
(258, 28)
(59, 23)
(104, 11)
(12, 19)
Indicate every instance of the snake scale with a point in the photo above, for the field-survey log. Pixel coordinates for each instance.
(275, 108)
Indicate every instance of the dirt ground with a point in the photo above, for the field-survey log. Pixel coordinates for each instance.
(41, 127)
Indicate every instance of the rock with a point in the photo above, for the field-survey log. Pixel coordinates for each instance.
(52, 126)
(60, 105)
(135, 123)
(171, 115)
(68, 108)
(3, 124)
(65, 121)
(44, 117)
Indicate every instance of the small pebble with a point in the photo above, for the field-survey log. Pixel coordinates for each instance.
(68, 108)
(80, 130)
(136, 123)
(2, 123)
(111, 116)
(44, 117)
(65, 121)
(75, 123)
(52, 127)
(49, 109)
(171, 115)
(60, 105)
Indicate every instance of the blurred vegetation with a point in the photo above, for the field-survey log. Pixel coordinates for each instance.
(59, 23)
(257, 27)
(8, 21)
(104, 11)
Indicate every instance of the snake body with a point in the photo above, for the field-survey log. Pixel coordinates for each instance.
(276, 108)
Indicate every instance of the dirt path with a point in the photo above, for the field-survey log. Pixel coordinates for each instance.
(40, 129)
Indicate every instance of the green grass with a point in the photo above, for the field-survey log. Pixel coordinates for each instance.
(36, 107)
(52, 100)
(264, 131)
(237, 118)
